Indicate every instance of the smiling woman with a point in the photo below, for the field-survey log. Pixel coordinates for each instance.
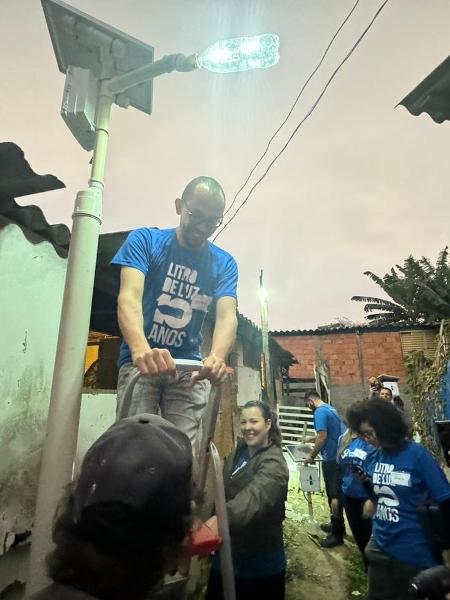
(256, 480)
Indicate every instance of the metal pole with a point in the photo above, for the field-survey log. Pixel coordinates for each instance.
(226, 559)
(265, 343)
(64, 410)
(208, 428)
(166, 64)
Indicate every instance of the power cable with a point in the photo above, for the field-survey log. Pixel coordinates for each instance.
(308, 114)
(314, 71)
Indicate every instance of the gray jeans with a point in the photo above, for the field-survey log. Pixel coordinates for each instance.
(174, 400)
(389, 578)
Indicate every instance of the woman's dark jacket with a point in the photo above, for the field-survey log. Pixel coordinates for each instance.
(255, 501)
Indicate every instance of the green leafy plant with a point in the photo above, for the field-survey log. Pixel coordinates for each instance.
(424, 379)
(419, 292)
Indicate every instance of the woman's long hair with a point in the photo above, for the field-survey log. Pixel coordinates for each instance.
(268, 414)
(346, 439)
(354, 416)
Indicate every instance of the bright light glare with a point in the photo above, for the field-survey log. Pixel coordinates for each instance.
(241, 54)
(221, 55)
(250, 45)
(262, 293)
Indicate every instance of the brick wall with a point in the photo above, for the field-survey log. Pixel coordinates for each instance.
(380, 352)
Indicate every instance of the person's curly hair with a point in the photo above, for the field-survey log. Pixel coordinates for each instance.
(356, 414)
(115, 551)
(389, 424)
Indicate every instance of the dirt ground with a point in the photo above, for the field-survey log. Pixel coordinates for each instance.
(314, 572)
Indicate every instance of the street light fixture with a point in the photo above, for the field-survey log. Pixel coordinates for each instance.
(241, 54)
(103, 66)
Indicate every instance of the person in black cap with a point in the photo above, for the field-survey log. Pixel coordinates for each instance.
(120, 526)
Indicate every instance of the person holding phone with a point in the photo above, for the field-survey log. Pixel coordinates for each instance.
(353, 453)
(405, 477)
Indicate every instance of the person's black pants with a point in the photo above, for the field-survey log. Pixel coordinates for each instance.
(332, 479)
(361, 528)
(248, 589)
(389, 578)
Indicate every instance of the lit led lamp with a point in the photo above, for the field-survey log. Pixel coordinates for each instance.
(241, 54)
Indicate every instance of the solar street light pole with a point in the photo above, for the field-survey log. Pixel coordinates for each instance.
(97, 60)
(65, 400)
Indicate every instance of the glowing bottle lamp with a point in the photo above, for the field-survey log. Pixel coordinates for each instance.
(241, 54)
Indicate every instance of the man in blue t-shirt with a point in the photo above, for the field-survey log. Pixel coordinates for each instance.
(169, 279)
(329, 427)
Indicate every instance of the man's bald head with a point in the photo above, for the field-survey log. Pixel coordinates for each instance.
(201, 209)
(204, 189)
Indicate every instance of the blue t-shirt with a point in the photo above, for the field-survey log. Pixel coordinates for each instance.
(256, 567)
(179, 286)
(263, 565)
(327, 419)
(241, 459)
(355, 454)
(403, 480)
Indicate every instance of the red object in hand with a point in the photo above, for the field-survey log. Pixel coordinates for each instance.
(201, 542)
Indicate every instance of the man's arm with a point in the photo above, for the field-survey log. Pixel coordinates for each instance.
(225, 327)
(131, 322)
(320, 442)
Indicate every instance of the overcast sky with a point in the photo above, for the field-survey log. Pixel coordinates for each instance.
(362, 185)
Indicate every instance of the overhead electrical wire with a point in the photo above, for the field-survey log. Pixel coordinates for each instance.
(313, 72)
(308, 114)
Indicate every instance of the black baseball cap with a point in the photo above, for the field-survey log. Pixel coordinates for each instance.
(140, 461)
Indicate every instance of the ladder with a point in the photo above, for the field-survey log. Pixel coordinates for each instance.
(207, 452)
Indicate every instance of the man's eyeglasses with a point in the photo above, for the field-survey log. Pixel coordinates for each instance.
(199, 218)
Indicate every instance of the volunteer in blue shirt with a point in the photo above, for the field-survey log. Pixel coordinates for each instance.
(353, 454)
(329, 427)
(404, 476)
(168, 281)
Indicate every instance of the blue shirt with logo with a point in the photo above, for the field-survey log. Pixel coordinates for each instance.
(180, 284)
(260, 566)
(355, 454)
(327, 419)
(403, 480)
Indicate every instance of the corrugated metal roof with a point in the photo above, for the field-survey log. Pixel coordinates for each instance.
(369, 328)
(432, 95)
(32, 218)
(17, 177)
(250, 331)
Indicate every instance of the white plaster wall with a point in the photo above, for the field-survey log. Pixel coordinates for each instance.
(31, 288)
(98, 412)
(248, 385)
